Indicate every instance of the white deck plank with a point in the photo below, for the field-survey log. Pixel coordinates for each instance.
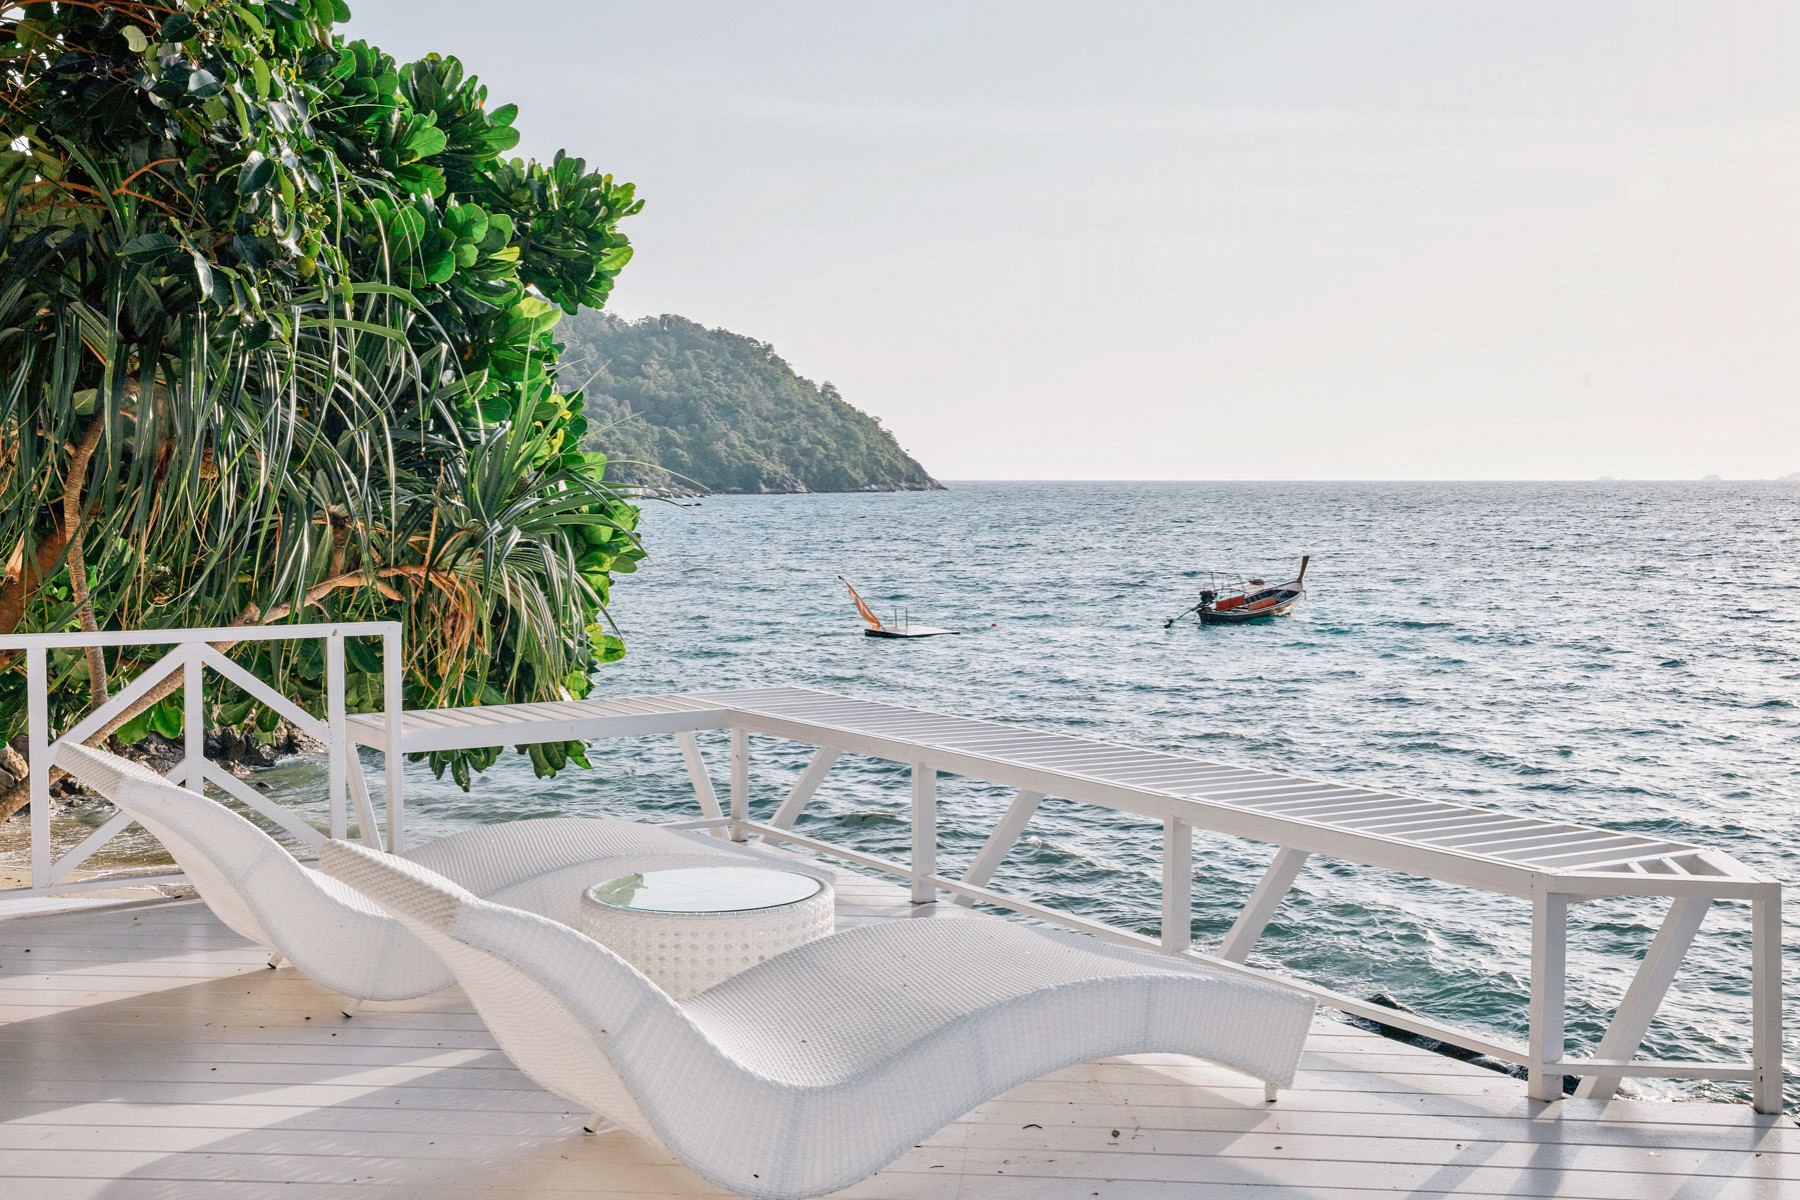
(147, 1052)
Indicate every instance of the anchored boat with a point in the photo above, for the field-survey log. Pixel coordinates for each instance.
(1251, 600)
(900, 627)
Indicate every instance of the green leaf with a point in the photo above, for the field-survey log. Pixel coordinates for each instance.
(500, 232)
(257, 172)
(134, 730)
(468, 221)
(421, 179)
(425, 143)
(148, 247)
(497, 140)
(178, 27)
(381, 331)
(135, 39)
(360, 655)
(203, 273)
(405, 231)
(166, 718)
(232, 715)
(440, 265)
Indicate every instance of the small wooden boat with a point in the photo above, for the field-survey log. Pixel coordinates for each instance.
(1255, 600)
(899, 627)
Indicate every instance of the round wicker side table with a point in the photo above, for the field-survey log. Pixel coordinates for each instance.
(689, 928)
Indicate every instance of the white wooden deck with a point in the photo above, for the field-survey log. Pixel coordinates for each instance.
(146, 1051)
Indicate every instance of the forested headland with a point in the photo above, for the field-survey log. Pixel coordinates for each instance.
(677, 406)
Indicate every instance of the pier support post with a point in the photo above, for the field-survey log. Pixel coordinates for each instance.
(1549, 978)
(37, 750)
(740, 784)
(1177, 885)
(393, 709)
(1765, 998)
(924, 833)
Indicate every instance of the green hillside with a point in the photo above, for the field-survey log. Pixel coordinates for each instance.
(674, 404)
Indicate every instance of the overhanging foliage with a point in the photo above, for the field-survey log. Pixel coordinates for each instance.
(277, 340)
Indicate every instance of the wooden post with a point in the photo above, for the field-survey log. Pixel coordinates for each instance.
(37, 702)
(1765, 998)
(1177, 885)
(193, 719)
(740, 784)
(1549, 973)
(337, 777)
(393, 703)
(924, 833)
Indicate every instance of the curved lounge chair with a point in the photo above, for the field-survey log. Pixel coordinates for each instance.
(328, 930)
(819, 1066)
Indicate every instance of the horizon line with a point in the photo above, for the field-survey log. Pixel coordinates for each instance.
(1793, 478)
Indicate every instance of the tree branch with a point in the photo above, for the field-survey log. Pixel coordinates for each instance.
(73, 522)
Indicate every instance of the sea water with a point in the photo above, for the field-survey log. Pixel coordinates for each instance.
(1621, 654)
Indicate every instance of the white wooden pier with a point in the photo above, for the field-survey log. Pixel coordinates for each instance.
(149, 1052)
(146, 1052)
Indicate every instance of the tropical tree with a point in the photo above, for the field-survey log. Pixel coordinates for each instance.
(277, 343)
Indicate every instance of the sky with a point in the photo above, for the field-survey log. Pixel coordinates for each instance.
(1121, 240)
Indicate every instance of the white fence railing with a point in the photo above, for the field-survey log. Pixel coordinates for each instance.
(1554, 866)
(193, 653)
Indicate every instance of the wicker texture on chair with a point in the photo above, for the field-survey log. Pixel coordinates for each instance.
(816, 1068)
(330, 931)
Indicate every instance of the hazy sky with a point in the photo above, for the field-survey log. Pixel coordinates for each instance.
(1208, 241)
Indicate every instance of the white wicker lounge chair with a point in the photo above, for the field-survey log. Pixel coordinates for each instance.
(333, 934)
(819, 1066)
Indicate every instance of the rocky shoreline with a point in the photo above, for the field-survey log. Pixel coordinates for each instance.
(677, 492)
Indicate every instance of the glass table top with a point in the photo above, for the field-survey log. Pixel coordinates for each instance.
(705, 890)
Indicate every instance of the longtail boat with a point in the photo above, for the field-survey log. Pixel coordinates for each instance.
(899, 627)
(1253, 600)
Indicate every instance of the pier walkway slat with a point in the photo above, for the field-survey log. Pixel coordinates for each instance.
(147, 1052)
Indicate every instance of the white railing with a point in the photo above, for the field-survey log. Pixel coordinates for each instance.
(1552, 865)
(192, 652)
(1544, 1058)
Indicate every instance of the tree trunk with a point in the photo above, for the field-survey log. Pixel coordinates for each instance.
(74, 520)
(22, 580)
